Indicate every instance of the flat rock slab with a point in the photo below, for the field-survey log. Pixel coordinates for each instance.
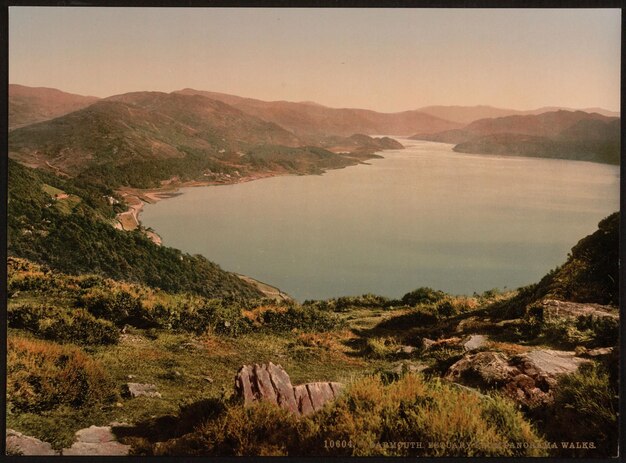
(271, 383)
(142, 390)
(555, 362)
(96, 440)
(18, 443)
(475, 341)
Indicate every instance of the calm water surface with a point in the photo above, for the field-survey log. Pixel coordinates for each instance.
(422, 216)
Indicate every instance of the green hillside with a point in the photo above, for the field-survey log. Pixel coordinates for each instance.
(83, 239)
(392, 355)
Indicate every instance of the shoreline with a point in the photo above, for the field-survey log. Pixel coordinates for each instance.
(136, 198)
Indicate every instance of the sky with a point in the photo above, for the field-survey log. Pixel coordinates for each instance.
(382, 59)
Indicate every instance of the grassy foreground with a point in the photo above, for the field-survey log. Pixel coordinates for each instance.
(75, 341)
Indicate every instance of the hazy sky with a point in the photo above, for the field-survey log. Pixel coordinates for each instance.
(383, 59)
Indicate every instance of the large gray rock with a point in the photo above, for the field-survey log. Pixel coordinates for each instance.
(474, 342)
(528, 378)
(552, 362)
(271, 383)
(139, 390)
(97, 440)
(21, 444)
(482, 369)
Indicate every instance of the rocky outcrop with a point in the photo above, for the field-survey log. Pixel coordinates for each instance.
(21, 444)
(528, 378)
(551, 309)
(271, 383)
(97, 440)
(139, 390)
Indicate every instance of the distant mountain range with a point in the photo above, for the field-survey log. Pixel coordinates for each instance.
(311, 119)
(467, 114)
(69, 133)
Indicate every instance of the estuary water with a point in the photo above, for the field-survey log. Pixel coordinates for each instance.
(422, 216)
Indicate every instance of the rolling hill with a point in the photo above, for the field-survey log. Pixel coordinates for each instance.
(469, 114)
(559, 134)
(140, 126)
(28, 105)
(139, 139)
(312, 120)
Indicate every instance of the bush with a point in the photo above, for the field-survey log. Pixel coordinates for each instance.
(585, 410)
(380, 348)
(117, 306)
(299, 318)
(423, 295)
(604, 330)
(215, 315)
(419, 316)
(436, 414)
(261, 429)
(348, 303)
(367, 417)
(42, 375)
(74, 326)
(564, 333)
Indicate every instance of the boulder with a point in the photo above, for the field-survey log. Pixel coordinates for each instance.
(550, 362)
(474, 342)
(482, 369)
(271, 383)
(139, 390)
(406, 350)
(97, 440)
(528, 378)
(21, 444)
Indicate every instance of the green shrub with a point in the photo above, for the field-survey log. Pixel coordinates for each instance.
(446, 308)
(413, 410)
(299, 318)
(419, 316)
(348, 303)
(62, 325)
(563, 332)
(42, 375)
(585, 410)
(214, 315)
(423, 295)
(604, 330)
(365, 419)
(117, 306)
(380, 348)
